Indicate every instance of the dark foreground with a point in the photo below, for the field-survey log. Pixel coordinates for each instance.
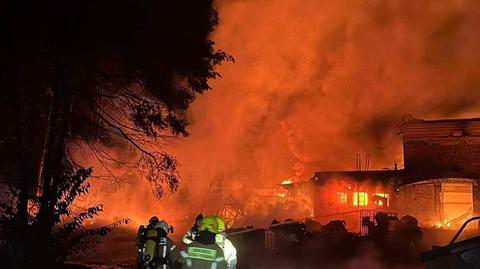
(294, 245)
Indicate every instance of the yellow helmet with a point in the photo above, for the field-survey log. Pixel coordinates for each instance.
(212, 224)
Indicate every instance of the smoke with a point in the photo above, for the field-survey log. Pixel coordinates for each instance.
(320, 82)
(367, 257)
(315, 83)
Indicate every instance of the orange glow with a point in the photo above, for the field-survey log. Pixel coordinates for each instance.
(313, 85)
(380, 202)
(342, 198)
(287, 182)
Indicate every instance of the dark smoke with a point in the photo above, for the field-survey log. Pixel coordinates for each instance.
(315, 83)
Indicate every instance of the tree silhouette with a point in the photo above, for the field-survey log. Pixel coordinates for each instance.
(100, 74)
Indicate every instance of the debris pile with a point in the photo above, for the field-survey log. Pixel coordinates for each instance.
(309, 244)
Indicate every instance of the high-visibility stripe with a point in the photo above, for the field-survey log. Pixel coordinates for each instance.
(214, 265)
(202, 253)
(173, 247)
(220, 259)
(164, 251)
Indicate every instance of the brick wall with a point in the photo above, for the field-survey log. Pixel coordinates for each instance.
(418, 200)
(436, 147)
(423, 199)
(462, 157)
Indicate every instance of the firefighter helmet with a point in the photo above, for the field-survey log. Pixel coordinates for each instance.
(153, 220)
(212, 224)
(162, 224)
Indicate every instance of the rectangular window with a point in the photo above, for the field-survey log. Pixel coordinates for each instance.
(360, 199)
(342, 198)
(269, 240)
(382, 202)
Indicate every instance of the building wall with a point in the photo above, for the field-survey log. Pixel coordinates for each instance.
(462, 157)
(436, 200)
(328, 206)
(420, 200)
(476, 197)
(445, 146)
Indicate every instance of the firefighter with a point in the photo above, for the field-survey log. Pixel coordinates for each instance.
(140, 238)
(158, 251)
(229, 250)
(204, 252)
(142, 229)
(189, 237)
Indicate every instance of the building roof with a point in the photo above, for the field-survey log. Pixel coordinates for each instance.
(443, 120)
(446, 148)
(418, 129)
(395, 177)
(358, 176)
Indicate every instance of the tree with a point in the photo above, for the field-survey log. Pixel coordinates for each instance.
(68, 234)
(100, 73)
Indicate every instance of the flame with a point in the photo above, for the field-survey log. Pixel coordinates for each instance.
(287, 182)
(445, 223)
(313, 84)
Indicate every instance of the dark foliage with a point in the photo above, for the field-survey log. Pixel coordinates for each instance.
(125, 70)
(96, 75)
(69, 235)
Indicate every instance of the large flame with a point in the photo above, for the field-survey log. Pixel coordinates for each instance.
(314, 83)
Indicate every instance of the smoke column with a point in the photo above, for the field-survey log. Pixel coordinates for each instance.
(315, 83)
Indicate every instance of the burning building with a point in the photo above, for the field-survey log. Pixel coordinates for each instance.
(345, 194)
(438, 184)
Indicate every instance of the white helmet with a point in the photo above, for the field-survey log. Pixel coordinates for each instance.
(162, 224)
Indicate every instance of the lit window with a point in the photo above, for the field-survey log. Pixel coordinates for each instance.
(382, 202)
(342, 198)
(360, 199)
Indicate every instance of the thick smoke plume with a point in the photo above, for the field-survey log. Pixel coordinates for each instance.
(314, 84)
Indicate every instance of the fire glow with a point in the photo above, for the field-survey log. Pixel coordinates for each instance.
(310, 99)
(362, 198)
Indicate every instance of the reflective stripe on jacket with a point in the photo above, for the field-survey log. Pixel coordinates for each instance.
(199, 256)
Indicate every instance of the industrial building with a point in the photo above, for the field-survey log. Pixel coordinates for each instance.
(439, 183)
